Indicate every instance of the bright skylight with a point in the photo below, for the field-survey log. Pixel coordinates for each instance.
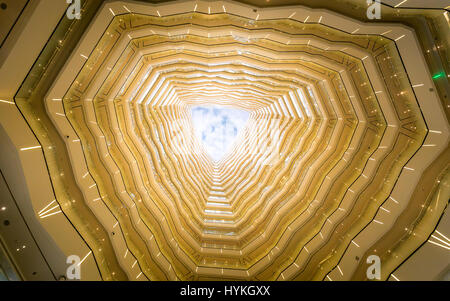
(217, 127)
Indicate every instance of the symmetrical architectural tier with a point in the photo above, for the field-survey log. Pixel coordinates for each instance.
(344, 154)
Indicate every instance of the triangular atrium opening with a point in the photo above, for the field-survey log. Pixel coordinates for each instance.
(217, 127)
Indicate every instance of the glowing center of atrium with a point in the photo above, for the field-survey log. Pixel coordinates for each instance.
(217, 128)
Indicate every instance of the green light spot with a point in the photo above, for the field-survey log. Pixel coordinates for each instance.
(439, 75)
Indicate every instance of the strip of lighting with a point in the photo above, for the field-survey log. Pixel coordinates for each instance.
(400, 3)
(448, 244)
(39, 213)
(46, 211)
(439, 245)
(31, 147)
(84, 258)
(445, 237)
(50, 214)
(6, 101)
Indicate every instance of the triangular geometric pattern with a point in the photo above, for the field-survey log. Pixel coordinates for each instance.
(211, 140)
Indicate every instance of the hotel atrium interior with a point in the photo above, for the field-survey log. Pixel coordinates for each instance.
(195, 140)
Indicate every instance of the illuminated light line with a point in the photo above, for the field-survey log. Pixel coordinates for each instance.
(355, 243)
(112, 12)
(306, 19)
(386, 32)
(31, 147)
(320, 19)
(224, 10)
(84, 258)
(306, 249)
(39, 213)
(157, 11)
(385, 209)
(76, 140)
(399, 38)
(83, 56)
(428, 145)
(195, 7)
(85, 175)
(60, 114)
(400, 3)
(393, 276)
(8, 102)
(408, 168)
(340, 271)
(126, 253)
(442, 235)
(127, 9)
(134, 264)
(257, 17)
(139, 275)
(93, 185)
(439, 245)
(434, 236)
(47, 211)
(293, 14)
(355, 31)
(436, 132)
(418, 85)
(378, 222)
(365, 57)
(56, 99)
(329, 278)
(393, 200)
(209, 10)
(50, 214)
